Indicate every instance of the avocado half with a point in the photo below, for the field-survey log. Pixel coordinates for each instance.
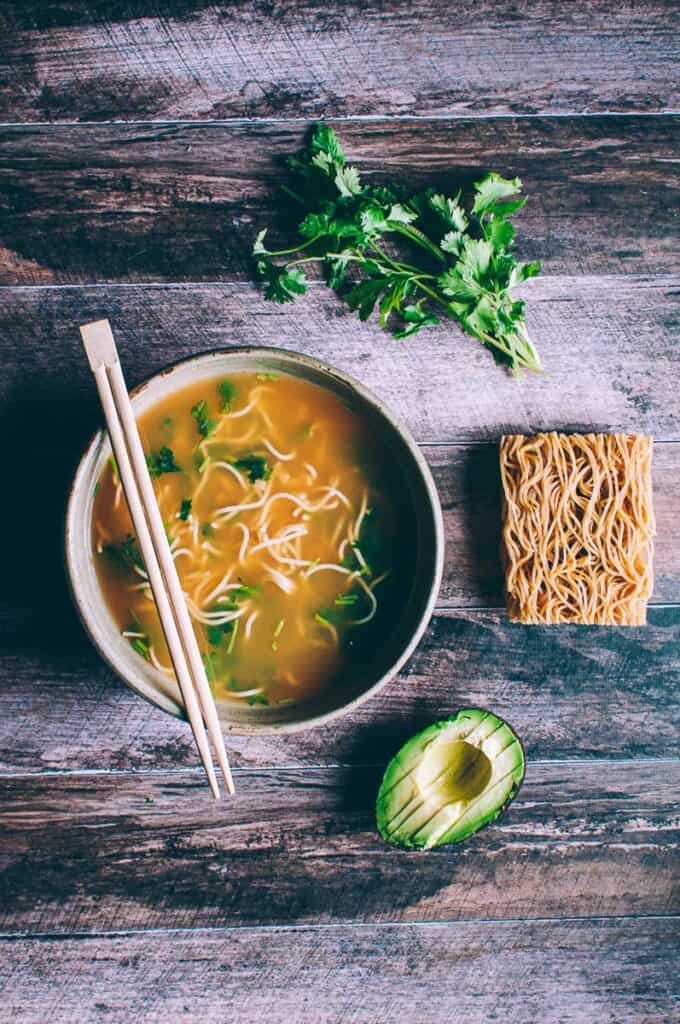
(450, 780)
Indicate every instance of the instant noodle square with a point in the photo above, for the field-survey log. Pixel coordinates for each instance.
(578, 524)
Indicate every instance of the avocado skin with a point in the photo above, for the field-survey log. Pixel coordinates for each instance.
(410, 756)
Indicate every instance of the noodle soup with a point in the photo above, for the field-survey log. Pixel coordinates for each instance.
(283, 518)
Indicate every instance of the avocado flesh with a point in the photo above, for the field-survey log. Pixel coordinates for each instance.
(450, 780)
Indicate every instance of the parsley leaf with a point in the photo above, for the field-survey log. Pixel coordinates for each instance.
(141, 643)
(210, 665)
(162, 462)
(125, 555)
(227, 390)
(185, 509)
(215, 635)
(458, 262)
(255, 466)
(282, 284)
(206, 425)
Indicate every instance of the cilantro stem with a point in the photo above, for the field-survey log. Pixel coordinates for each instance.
(402, 267)
(293, 195)
(420, 238)
(305, 259)
(295, 248)
(429, 291)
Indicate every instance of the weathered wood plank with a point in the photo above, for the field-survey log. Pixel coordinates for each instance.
(546, 972)
(182, 202)
(99, 853)
(105, 60)
(609, 347)
(570, 691)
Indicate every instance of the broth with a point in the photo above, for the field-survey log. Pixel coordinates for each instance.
(282, 516)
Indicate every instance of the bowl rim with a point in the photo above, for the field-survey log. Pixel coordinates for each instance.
(164, 702)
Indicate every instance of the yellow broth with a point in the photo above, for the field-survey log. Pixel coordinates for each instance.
(281, 513)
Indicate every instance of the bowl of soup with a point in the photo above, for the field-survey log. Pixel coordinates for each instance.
(304, 524)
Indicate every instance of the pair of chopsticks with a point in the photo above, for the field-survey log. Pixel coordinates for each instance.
(160, 567)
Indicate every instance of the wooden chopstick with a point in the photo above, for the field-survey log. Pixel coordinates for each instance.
(146, 519)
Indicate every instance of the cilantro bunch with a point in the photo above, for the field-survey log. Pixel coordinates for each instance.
(416, 257)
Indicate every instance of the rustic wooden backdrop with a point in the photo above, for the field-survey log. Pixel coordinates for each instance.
(139, 153)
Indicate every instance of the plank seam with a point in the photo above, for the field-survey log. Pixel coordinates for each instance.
(306, 768)
(247, 283)
(349, 119)
(328, 926)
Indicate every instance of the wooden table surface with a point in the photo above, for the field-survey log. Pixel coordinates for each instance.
(138, 157)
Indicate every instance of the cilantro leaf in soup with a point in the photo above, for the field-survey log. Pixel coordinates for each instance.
(139, 641)
(255, 466)
(210, 665)
(205, 423)
(142, 646)
(257, 698)
(215, 635)
(162, 462)
(125, 555)
(227, 390)
(243, 591)
(185, 509)
(168, 427)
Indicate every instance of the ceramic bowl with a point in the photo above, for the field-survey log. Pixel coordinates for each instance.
(417, 491)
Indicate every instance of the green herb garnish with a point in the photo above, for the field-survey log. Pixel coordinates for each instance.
(346, 599)
(205, 423)
(232, 638)
(185, 509)
(215, 634)
(140, 644)
(199, 460)
(162, 462)
(207, 530)
(267, 376)
(456, 260)
(168, 428)
(327, 617)
(257, 698)
(255, 466)
(210, 670)
(227, 390)
(126, 554)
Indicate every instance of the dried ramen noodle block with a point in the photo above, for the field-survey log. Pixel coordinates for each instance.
(578, 525)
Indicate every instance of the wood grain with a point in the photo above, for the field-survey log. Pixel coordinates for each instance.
(178, 202)
(608, 345)
(607, 971)
(105, 60)
(100, 853)
(106, 823)
(570, 691)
